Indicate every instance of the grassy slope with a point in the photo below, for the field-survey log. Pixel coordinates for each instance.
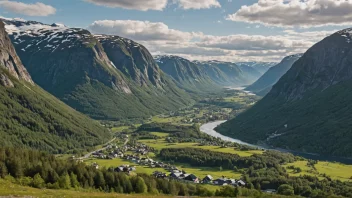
(33, 118)
(333, 170)
(9, 189)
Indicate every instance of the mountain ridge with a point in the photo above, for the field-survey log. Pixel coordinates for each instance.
(264, 84)
(309, 106)
(33, 118)
(72, 64)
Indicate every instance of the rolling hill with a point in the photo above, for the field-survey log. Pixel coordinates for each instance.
(309, 108)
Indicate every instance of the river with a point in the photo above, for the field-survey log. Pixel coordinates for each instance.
(208, 128)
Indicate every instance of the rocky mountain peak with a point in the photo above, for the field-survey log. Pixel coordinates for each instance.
(10, 61)
(132, 59)
(327, 63)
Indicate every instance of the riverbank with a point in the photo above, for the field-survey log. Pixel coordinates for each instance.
(208, 128)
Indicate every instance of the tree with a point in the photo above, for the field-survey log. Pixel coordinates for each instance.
(3, 170)
(38, 181)
(286, 189)
(65, 181)
(141, 187)
(74, 181)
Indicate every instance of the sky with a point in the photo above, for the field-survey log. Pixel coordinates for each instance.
(225, 30)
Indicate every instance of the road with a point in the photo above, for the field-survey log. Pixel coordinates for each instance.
(89, 154)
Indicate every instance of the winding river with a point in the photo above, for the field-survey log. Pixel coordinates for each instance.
(208, 128)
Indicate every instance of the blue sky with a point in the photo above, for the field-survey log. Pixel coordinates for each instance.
(265, 30)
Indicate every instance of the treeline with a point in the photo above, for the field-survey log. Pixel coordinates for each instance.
(41, 170)
(179, 134)
(201, 157)
(262, 171)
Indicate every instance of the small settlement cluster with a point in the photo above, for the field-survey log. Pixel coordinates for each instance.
(139, 152)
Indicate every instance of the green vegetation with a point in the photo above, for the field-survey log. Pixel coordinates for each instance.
(32, 118)
(41, 170)
(160, 144)
(333, 170)
(322, 114)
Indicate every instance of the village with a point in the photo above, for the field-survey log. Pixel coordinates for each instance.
(138, 154)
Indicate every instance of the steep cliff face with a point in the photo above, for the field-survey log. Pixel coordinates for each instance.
(309, 108)
(10, 61)
(264, 84)
(132, 59)
(121, 81)
(32, 118)
(187, 75)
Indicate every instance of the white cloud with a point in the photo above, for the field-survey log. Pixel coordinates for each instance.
(161, 39)
(302, 13)
(35, 9)
(139, 30)
(143, 5)
(197, 4)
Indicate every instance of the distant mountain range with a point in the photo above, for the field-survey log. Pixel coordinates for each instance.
(226, 73)
(264, 84)
(309, 108)
(261, 67)
(31, 117)
(205, 76)
(105, 77)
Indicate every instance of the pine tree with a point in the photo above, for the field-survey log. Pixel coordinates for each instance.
(74, 181)
(38, 181)
(141, 187)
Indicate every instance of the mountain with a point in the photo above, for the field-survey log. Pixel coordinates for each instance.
(261, 67)
(309, 108)
(264, 84)
(105, 77)
(31, 117)
(250, 73)
(187, 75)
(224, 73)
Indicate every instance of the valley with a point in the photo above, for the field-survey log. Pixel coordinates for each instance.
(120, 104)
(174, 132)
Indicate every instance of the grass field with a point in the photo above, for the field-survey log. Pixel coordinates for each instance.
(200, 172)
(336, 171)
(14, 190)
(160, 134)
(160, 144)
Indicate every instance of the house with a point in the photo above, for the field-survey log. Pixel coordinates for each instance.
(176, 175)
(231, 182)
(158, 174)
(207, 179)
(220, 182)
(270, 191)
(241, 183)
(95, 165)
(191, 178)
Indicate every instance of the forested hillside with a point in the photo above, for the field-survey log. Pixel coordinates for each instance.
(309, 108)
(31, 117)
